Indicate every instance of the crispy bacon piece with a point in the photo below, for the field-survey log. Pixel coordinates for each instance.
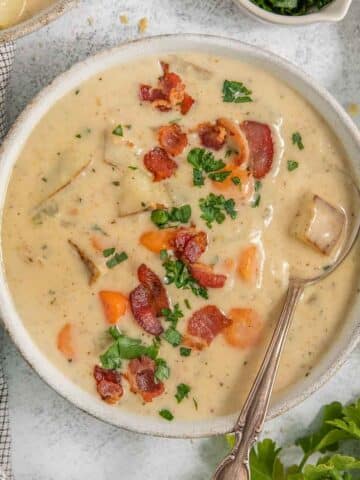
(108, 384)
(170, 92)
(207, 322)
(144, 310)
(172, 139)
(205, 276)
(261, 147)
(158, 162)
(186, 104)
(212, 135)
(238, 138)
(141, 377)
(153, 283)
(188, 244)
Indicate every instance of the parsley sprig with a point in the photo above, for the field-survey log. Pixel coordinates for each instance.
(215, 208)
(204, 162)
(178, 274)
(171, 335)
(164, 218)
(236, 92)
(297, 140)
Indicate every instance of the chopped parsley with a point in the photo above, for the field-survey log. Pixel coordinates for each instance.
(116, 259)
(204, 162)
(162, 370)
(291, 7)
(230, 151)
(219, 176)
(236, 181)
(164, 413)
(292, 165)
(185, 352)
(178, 274)
(109, 251)
(215, 208)
(96, 228)
(172, 316)
(257, 199)
(236, 92)
(163, 218)
(297, 140)
(132, 167)
(126, 348)
(118, 131)
(187, 303)
(182, 391)
(172, 336)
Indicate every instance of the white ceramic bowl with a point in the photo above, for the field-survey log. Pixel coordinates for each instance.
(42, 18)
(322, 102)
(334, 12)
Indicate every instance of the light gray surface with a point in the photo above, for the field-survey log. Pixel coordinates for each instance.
(52, 439)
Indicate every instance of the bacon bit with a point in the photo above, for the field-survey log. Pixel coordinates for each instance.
(147, 301)
(172, 139)
(188, 244)
(65, 342)
(246, 328)
(212, 135)
(194, 343)
(158, 162)
(207, 322)
(238, 138)
(153, 283)
(205, 276)
(108, 384)
(170, 92)
(244, 190)
(186, 104)
(261, 147)
(141, 377)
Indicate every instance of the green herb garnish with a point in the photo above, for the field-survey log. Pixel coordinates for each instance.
(166, 414)
(291, 7)
(187, 303)
(116, 259)
(219, 176)
(162, 370)
(182, 391)
(185, 352)
(132, 167)
(297, 140)
(215, 208)
(292, 165)
(118, 131)
(257, 199)
(172, 336)
(163, 218)
(108, 251)
(236, 92)
(203, 162)
(236, 181)
(172, 316)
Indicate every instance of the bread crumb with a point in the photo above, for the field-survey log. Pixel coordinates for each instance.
(143, 25)
(353, 109)
(124, 19)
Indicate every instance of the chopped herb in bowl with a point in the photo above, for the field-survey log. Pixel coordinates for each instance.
(291, 7)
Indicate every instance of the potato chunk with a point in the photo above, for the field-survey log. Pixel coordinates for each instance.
(319, 224)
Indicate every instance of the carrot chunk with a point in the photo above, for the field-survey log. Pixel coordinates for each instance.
(114, 305)
(65, 342)
(157, 240)
(245, 329)
(248, 264)
(239, 184)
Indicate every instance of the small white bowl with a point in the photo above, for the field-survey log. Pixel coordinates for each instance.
(321, 101)
(334, 12)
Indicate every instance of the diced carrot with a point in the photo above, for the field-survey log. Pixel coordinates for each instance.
(157, 240)
(246, 328)
(114, 304)
(248, 264)
(65, 341)
(239, 184)
(97, 244)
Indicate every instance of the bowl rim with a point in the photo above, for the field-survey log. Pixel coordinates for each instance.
(316, 17)
(41, 19)
(13, 144)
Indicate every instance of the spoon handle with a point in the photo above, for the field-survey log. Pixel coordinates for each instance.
(251, 420)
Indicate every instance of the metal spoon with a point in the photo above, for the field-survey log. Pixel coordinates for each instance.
(235, 466)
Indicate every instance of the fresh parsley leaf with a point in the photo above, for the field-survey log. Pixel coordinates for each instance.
(219, 176)
(264, 461)
(236, 181)
(177, 273)
(182, 391)
(116, 259)
(292, 165)
(236, 92)
(291, 7)
(164, 218)
(162, 370)
(172, 336)
(185, 352)
(297, 140)
(164, 413)
(203, 161)
(118, 131)
(108, 251)
(172, 316)
(215, 207)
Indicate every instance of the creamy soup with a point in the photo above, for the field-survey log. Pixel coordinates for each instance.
(16, 11)
(151, 223)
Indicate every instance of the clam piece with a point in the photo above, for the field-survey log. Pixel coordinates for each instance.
(319, 224)
(119, 150)
(89, 261)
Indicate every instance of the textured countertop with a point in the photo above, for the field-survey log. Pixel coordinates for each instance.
(52, 440)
